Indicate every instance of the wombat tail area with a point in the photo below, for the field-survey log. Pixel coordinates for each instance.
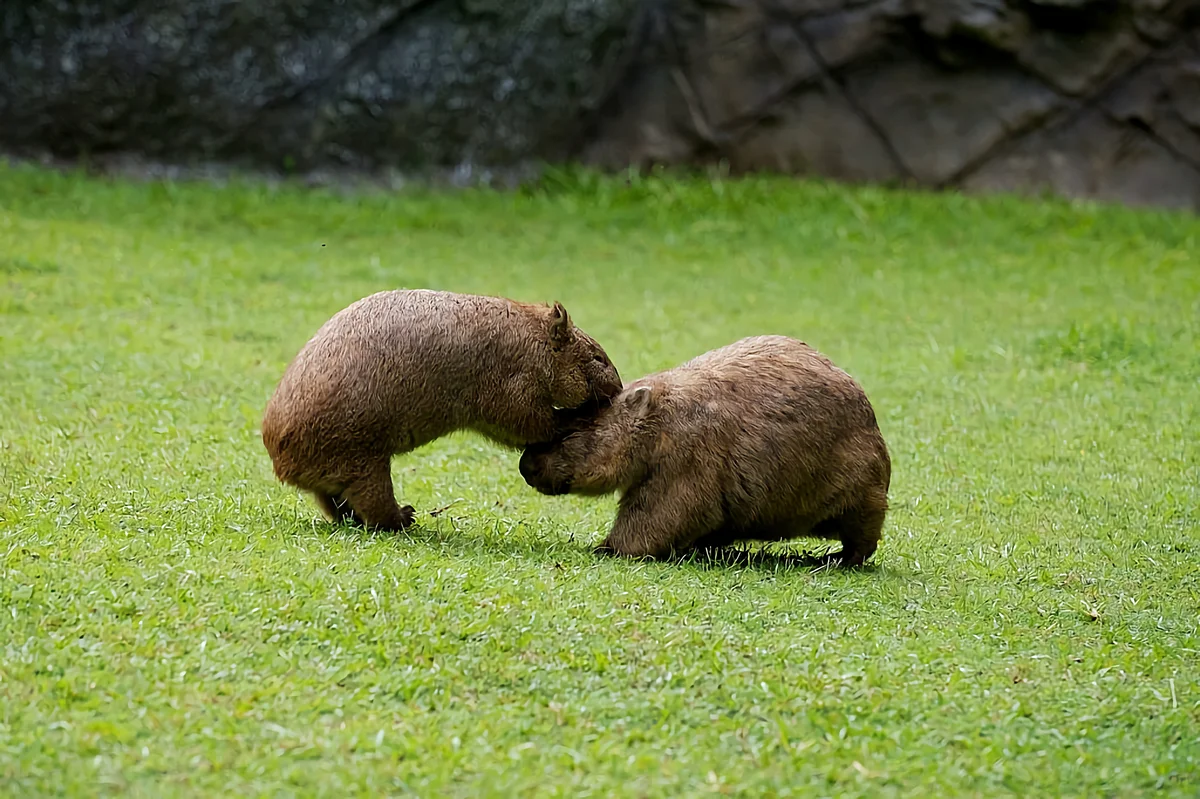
(859, 528)
(286, 469)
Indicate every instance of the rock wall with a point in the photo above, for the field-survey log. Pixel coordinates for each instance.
(1090, 98)
(304, 83)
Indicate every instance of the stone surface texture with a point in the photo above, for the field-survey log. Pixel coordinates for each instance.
(1084, 98)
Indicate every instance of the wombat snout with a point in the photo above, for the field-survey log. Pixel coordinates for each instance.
(535, 468)
(606, 389)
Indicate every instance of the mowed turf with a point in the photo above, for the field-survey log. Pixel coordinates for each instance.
(174, 622)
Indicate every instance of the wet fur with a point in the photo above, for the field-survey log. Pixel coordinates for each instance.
(764, 439)
(398, 369)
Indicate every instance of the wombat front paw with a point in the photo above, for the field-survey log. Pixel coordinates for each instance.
(847, 560)
(635, 549)
(395, 521)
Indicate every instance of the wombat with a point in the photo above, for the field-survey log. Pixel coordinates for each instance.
(398, 369)
(764, 439)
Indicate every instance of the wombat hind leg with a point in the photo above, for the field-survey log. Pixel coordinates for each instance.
(337, 509)
(373, 499)
(859, 530)
(715, 540)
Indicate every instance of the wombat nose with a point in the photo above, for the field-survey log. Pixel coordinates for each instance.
(610, 390)
(528, 466)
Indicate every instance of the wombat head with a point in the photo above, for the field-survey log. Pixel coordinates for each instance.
(600, 447)
(581, 370)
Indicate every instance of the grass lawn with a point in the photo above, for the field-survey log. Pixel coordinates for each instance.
(174, 622)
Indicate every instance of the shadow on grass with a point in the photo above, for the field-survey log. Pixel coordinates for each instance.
(554, 550)
(768, 559)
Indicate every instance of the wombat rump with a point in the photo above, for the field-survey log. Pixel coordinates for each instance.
(764, 439)
(398, 369)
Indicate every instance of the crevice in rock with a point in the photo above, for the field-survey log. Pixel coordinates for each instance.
(1184, 123)
(852, 102)
(1011, 138)
(1068, 18)
(1146, 129)
(734, 4)
(702, 126)
(699, 117)
(957, 48)
(738, 125)
(734, 127)
(1078, 106)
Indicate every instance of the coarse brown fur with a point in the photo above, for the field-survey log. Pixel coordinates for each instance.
(398, 369)
(764, 439)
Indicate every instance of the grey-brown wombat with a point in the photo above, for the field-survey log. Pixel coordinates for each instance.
(764, 439)
(398, 369)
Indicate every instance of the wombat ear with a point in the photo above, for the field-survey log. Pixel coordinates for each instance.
(639, 399)
(560, 325)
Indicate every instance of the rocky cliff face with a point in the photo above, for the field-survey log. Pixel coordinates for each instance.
(308, 82)
(1094, 98)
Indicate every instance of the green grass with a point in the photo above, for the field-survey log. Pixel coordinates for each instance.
(174, 622)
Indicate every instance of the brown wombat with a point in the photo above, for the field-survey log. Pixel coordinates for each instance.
(398, 369)
(764, 439)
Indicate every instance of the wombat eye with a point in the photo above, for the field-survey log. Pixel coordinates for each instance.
(598, 359)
